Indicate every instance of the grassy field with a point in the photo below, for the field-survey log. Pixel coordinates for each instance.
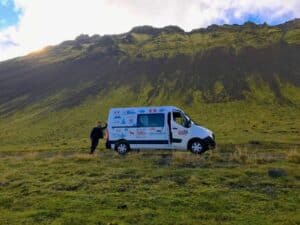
(239, 81)
(234, 184)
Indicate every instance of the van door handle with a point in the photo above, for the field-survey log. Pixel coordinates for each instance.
(174, 128)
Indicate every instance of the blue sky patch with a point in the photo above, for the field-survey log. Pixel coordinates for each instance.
(8, 14)
(256, 17)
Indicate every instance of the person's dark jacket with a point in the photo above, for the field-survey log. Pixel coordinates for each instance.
(97, 132)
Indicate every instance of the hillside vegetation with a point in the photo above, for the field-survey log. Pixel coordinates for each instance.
(242, 81)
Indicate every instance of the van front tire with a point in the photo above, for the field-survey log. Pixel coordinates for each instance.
(122, 147)
(197, 146)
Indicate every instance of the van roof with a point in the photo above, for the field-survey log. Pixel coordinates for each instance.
(148, 107)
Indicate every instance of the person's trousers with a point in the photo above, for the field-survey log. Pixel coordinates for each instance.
(94, 144)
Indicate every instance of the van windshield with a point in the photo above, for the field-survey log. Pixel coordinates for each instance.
(190, 119)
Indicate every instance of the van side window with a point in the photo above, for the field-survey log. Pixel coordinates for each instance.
(151, 120)
(179, 119)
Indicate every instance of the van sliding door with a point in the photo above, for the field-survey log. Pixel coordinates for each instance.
(151, 130)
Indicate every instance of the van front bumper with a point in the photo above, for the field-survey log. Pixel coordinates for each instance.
(210, 142)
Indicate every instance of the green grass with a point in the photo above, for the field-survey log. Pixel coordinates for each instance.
(149, 188)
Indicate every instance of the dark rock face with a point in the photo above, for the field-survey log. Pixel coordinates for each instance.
(145, 30)
(172, 29)
(155, 31)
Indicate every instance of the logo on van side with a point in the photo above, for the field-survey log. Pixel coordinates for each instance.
(182, 132)
(130, 112)
(152, 110)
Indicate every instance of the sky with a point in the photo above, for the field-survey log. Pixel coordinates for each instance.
(30, 25)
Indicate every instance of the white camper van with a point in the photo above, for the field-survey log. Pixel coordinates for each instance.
(163, 127)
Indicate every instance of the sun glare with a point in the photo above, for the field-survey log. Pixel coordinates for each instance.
(39, 51)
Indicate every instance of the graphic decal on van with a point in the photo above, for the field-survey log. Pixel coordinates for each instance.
(130, 120)
(131, 112)
(182, 132)
(141, 132)
(116, 113)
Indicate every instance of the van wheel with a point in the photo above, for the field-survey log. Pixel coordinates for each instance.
(197, 147)
(122, 148)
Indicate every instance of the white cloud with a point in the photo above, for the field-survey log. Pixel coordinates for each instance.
(50, 22)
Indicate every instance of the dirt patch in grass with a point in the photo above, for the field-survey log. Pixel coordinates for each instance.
(164, 160)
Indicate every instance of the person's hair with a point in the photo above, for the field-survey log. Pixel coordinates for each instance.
(99, 123)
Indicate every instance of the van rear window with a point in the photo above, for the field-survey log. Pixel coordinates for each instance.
(151, 120)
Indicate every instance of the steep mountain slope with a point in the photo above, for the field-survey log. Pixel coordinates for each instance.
(219, 68)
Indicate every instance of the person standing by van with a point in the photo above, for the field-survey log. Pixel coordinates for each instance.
(96, 134)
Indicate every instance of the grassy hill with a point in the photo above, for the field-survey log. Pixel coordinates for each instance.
(242, 81)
